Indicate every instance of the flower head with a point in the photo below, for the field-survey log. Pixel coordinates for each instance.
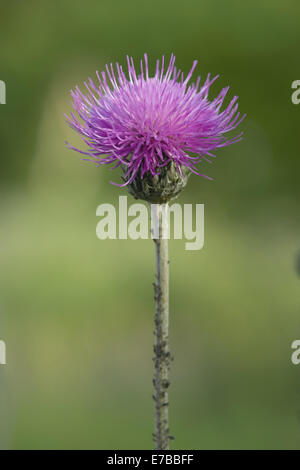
(145, 123)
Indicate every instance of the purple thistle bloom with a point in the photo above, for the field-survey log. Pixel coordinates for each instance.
(146, 122)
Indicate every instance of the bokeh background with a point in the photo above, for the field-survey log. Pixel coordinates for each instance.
(76, 312)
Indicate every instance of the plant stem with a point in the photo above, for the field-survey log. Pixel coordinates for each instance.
(162, 355)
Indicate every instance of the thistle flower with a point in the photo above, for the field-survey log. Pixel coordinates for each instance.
(157, 129)
(145, 124)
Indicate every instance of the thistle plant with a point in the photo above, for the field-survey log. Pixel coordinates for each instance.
(157, 130)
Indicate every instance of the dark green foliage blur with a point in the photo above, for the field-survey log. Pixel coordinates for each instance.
(77, 313)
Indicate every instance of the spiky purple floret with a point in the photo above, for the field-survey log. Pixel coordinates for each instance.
(145, 122)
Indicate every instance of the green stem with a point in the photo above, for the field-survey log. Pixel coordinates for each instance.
(161, 347)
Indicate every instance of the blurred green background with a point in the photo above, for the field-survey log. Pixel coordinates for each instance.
(76, 312)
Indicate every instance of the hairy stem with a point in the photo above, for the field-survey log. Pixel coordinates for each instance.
(161, 347)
